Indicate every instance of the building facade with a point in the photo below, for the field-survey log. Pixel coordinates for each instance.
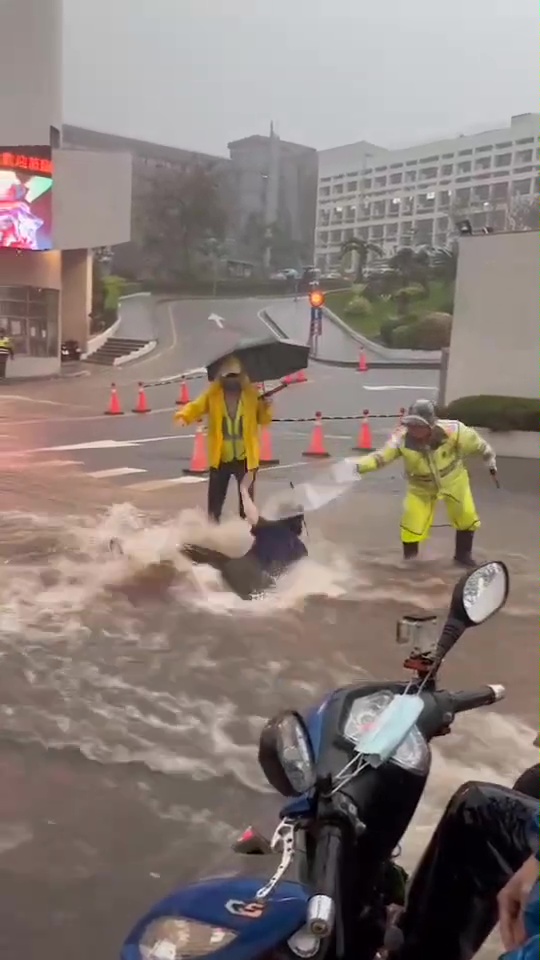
(413, 197)
(275, 189)
(151, 162)
(56, 204)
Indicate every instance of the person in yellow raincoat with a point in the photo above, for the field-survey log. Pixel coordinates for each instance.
(432, 451)
(235, 412)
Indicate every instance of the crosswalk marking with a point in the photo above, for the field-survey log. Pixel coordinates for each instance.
(54, 464)
(115, 472)
(162, 484)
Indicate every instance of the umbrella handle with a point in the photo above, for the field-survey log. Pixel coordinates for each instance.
(270, 393)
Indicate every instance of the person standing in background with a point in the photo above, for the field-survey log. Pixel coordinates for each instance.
(6, 350)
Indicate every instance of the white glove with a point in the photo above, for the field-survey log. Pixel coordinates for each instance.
(345, 472)
(492, 463)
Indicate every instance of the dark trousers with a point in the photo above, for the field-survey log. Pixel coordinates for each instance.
(218, 485)
(481, 840)
(3, 365)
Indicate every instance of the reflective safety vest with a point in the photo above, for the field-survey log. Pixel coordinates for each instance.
(234, 447)
(6, 348)
(430, 470)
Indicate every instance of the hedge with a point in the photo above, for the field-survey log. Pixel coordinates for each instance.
(431, 332)
(496, 413)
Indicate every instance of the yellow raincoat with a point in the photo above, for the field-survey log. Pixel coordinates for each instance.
(434, 473)
(255, 413)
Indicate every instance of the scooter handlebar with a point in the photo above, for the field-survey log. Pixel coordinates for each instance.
(321, 908)
(465, 700)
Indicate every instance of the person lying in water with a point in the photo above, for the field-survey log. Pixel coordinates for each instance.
(276, 547)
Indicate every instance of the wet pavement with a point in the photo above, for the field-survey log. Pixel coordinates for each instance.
(130, 706)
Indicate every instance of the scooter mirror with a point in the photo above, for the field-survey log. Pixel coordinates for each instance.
(476, 597)
(481, 593)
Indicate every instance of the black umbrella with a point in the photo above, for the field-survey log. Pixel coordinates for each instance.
(264, 359)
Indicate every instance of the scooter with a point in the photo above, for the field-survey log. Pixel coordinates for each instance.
(353, 771)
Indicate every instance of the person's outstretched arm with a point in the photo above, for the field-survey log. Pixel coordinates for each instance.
(470, 443)
(192, 411)
(250, 510)
(380, 458)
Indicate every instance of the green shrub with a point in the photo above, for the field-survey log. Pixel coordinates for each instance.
(496, 413)
(358, 307)
(388, 327)
(113, 288)
(431, 332)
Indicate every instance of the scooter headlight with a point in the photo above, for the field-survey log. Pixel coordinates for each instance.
(412, 754)
(286, 755)
(175, 938)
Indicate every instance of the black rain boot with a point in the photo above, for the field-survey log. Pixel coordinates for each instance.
(410, 551)
(463, 554)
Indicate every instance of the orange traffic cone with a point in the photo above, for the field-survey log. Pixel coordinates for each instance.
(301, 377)
(199, 459)
(362, 361)
(316, 447)
(365, 440)
(142, 402)
(115, 409)
(267, 458)
(183, 396)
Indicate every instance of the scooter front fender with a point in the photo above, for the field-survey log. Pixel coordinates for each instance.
(227, 904)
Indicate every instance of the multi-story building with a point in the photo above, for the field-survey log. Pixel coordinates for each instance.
(149, 162)
(413, 197)
(266, 184)
(275, 184)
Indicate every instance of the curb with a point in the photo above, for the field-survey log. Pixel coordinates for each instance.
(382, 364)
(387, 353)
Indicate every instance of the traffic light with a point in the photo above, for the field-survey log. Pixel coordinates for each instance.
(316, 299)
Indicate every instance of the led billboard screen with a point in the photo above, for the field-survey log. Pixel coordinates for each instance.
(26, 179)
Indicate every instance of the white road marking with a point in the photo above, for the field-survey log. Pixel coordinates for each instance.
(162, 484)
(219, 321)
(115, 472)
(54, 463)
(397, 386)
(111, 444)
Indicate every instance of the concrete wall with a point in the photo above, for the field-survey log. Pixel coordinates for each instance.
(31, 269)
(30, 70)
(76, 295)
(91, 199)
(494, 347)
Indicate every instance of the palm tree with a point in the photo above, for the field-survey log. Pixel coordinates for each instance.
(445, 263)
(412, 266)
(362, 249)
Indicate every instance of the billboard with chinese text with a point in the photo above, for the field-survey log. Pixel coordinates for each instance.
(26, 179)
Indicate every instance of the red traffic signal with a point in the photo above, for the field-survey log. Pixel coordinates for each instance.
(316, 298)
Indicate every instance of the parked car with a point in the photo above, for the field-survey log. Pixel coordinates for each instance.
(70, 350)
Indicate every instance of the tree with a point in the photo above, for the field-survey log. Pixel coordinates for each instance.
(523, 213)
(445, 261)
(182, 210)
(362, 249)
(412, 266)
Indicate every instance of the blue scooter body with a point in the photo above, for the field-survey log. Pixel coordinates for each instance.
(283, 914)
(206, 902)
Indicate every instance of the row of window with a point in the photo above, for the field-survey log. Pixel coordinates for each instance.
(411, 231)
(428, 173)
(399, 206)
(488, 148)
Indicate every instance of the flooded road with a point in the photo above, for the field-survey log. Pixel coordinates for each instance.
(131, 704)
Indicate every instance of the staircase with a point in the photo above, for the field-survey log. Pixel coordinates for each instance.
(114, 348)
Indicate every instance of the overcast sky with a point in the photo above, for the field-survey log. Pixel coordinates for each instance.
(328, 72)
